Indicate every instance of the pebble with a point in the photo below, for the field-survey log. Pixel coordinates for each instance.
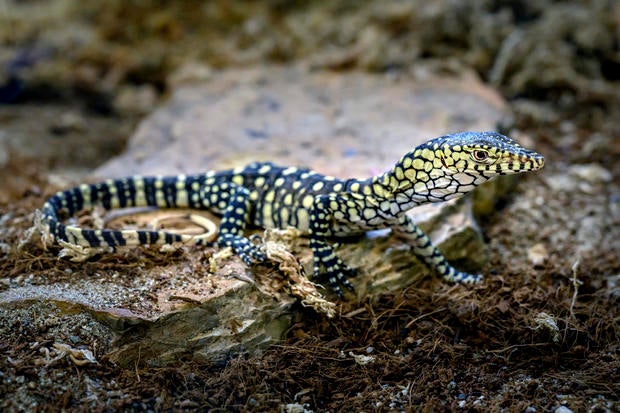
(547, 322)
(69, 122)
(537, 254)
(580, 178)
(592, 173)
(137, 100)
(562, 409)
(191, 72)
(561, 182)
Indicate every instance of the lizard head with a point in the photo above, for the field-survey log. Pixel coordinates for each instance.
(484, 155)
(449, 166)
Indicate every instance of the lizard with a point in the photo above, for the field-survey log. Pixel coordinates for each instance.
(319, 206)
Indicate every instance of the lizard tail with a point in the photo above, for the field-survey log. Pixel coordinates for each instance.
(163, 192)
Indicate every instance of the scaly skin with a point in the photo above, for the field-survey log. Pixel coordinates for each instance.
(320, 206)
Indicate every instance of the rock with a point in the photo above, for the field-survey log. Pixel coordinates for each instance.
(355, 125)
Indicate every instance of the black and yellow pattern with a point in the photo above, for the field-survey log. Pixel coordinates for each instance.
(320, 206)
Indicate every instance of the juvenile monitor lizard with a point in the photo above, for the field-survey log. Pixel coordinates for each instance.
(320, 206)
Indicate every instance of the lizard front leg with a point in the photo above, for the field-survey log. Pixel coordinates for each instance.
(321, 219)
(424, 248)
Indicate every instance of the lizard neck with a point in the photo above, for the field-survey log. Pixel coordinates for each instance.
(419, 177)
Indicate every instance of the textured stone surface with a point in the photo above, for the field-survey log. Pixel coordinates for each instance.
(345, 125)
(354, 125)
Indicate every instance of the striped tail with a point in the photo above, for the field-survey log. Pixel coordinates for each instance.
(165, 192)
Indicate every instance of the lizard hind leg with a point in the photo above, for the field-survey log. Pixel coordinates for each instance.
(236, 215)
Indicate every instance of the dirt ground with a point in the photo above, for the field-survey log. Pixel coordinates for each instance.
(542, 332)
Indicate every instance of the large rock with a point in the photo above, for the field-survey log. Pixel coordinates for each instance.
(351, 125)
(344, 125)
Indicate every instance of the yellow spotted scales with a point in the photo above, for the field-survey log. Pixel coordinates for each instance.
(319, 206)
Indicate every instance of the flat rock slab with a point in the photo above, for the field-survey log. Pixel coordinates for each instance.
(346, 125)
(351, 125)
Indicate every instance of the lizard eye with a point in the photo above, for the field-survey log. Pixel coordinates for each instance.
(479, 155)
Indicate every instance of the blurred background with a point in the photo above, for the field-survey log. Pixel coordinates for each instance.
(94, 68)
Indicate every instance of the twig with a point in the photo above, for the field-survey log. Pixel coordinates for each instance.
(502, 350)
(576, 284)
